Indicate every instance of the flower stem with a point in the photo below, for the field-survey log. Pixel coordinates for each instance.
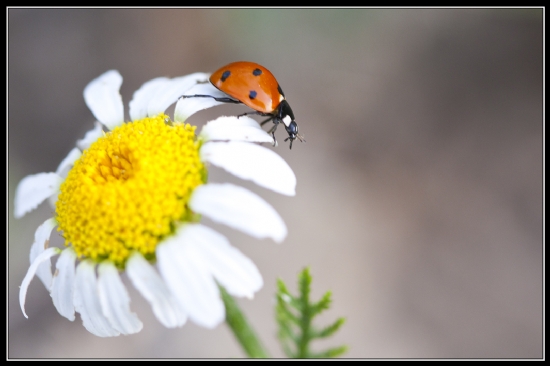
(241, 329)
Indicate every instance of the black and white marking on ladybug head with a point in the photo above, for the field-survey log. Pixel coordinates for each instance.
(287, 120)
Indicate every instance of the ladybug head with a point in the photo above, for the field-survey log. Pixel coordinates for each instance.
(292, 130)
(287, 117)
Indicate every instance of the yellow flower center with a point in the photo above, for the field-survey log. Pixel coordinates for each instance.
(129, 189)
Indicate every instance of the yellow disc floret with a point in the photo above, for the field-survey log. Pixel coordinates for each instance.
(129, 189)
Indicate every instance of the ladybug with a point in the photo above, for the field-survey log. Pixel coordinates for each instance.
(255, 86)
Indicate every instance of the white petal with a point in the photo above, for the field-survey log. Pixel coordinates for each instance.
(52, 200)
(63, 170)
(90, 137)
(169, 93)
(149, 283)
(103, 98)
(33, 190)
(238, 208)
(68, 162)
(190, 281)
(44, 256)
(140, 101)
(186, 107)
(233, 128)
(63, 284)
(115, 301)
(86, 301)
(40, 244)
(253, 162)
(232, 269)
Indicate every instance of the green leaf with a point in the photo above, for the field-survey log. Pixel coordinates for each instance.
(304, 280)
(323, 304)
(332, 352)
(331, 329)
(295, 316)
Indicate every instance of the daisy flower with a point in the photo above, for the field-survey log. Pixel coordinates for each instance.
(130, 199)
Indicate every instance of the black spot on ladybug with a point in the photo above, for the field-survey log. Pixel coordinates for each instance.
(280, 90)
(257, 72)
(252, 94)
(225, 75)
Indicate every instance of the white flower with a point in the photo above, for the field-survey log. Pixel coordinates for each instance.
(133, 201)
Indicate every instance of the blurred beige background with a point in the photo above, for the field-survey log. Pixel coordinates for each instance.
(419, 196)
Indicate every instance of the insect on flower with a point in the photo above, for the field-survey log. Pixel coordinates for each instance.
(255, 86)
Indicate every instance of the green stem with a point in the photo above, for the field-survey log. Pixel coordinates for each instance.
(241, 329)
(303, 350)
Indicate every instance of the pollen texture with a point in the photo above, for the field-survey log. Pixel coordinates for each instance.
(129, 188)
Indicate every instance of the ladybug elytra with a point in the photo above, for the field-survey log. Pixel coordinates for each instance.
(255, 86)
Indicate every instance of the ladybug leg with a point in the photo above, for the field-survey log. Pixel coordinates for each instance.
(267, 120)
(272, 132)
(288, 138)
(251, 113)
(223, 100)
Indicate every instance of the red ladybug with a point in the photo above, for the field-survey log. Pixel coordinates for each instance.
(255, 86)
